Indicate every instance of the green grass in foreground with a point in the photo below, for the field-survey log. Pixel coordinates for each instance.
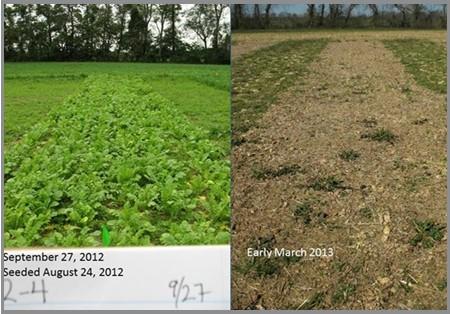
(201, 92)
(425, 60)
(259, 76)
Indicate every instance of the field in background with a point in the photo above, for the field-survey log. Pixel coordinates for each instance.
(201, 92)
(244, 42)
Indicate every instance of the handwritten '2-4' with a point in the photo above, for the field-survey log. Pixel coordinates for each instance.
(8, 291)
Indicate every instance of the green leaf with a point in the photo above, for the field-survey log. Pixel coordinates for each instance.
(105, 236)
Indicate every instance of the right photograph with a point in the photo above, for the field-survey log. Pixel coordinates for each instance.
(339, 156)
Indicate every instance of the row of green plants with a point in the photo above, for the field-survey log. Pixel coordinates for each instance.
(116, 165)
(425, 60)
(260, 76)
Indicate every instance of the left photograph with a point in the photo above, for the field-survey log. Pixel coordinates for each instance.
(116, 125)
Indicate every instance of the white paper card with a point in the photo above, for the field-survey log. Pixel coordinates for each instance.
(179, 277)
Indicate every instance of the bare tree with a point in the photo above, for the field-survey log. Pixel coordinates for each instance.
(237, 15)
(257, 15)
(417, 11)
(375, 11)
(311, 14)
(444, 15)
(267, 15)
(218, 12)
(349, 10)
(321, 15)
(335, 11)
(404, 10)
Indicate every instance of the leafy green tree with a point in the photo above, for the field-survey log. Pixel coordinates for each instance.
(163, 11)
(172, 32)
(45, 11)
(135, 34)
(72, 30)
(219, 10)
(52, 25)
(147, 12)
(105, 23)
(25, 21)
(11, 35)
(122, 12)
(89, 31)
(200, 20)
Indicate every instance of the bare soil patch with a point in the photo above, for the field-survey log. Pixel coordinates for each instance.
(354, 158)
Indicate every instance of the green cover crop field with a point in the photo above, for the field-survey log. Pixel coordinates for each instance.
(137, 155)
(32, 89)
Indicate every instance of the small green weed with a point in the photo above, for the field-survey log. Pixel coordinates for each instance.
(420, 121)
(291, 259)
(381, 135)
(303, 211)
(259, 173)
(427, 233)
(329, 184)
(415, 182)
(339, 266)
(238, 141)
(366, 212)
(264, 173)
(260, 267)
(286, 170)
(349, 155)
(369, 123)
(406, 89)
(343, 292)
(266, 267)
(266, 242)
(442, 284)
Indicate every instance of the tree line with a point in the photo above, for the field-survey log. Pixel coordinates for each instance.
(110, 32)
(416, 16)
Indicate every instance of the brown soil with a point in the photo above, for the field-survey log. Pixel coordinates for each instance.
(244, 43)
(354, 88)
